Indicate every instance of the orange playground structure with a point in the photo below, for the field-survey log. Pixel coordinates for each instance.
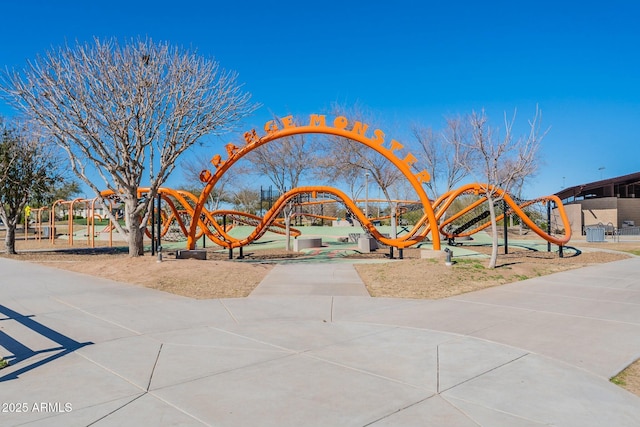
(179, 208)
(186, 215)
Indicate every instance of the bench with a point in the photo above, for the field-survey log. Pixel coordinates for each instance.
(191, 254)
(306, 243)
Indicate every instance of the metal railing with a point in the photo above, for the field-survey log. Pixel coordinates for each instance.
(628, 231)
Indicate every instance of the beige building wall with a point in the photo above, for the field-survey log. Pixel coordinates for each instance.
(629, 209)
(595, 211)
(574, 214)
(600, 203)
(600, 216)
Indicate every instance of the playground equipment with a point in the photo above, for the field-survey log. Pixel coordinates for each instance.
(475, 217)
(179, 207)
(356, 131)
(62, 220)
(186, 215)
(307, 208)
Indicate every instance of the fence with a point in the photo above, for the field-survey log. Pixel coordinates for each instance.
(629, 231)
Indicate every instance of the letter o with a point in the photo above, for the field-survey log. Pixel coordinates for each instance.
(340, 122)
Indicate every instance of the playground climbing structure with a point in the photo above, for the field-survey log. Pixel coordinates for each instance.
(184, 214)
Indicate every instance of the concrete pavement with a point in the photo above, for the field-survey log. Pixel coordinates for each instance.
(329, 279)
(89, 351)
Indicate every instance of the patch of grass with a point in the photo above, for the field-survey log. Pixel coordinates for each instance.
(619, 380)
(634, 251)
(629, 378)
(470, 263)
(522, 276)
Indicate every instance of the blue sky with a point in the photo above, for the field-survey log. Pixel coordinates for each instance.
(408, 61)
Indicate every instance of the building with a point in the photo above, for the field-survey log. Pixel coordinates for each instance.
(613, 202)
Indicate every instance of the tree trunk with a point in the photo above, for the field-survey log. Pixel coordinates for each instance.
(494, 233)
(10, 238)
(135, 234)
(136, 242)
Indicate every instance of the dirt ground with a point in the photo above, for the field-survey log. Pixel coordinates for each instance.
(408, 279)
(217, 277)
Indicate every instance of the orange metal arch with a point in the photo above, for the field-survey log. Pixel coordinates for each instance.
(317, 126)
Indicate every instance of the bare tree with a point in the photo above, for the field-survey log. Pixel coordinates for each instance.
(117, 110)
(352, 162)
(7, 134)
(29, 171)
(445, 154)
(284, 162)
(503, 161)
(191, 170)
(247, 200)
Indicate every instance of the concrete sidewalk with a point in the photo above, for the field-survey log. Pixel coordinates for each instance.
(88, 351)
(329, 279)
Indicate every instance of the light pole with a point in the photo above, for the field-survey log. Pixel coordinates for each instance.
(366, 195)
(601, 168)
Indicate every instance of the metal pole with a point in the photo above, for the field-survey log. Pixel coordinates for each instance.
(111, 225)
(224, 227)
(548, 224)
(366, 195)
(26, 226)
(153, 230)
(159, 244)
(506, 228)
(70, 223)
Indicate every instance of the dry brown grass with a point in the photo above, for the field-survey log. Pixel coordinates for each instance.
(191, 278)
(629, 378)
(432, 279)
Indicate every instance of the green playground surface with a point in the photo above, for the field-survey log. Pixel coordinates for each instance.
(334, 247)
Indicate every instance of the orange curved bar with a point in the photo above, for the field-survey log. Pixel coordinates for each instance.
(219, 236)
(328, 218)
(517, 209)
(412, 238)
(252, 220)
